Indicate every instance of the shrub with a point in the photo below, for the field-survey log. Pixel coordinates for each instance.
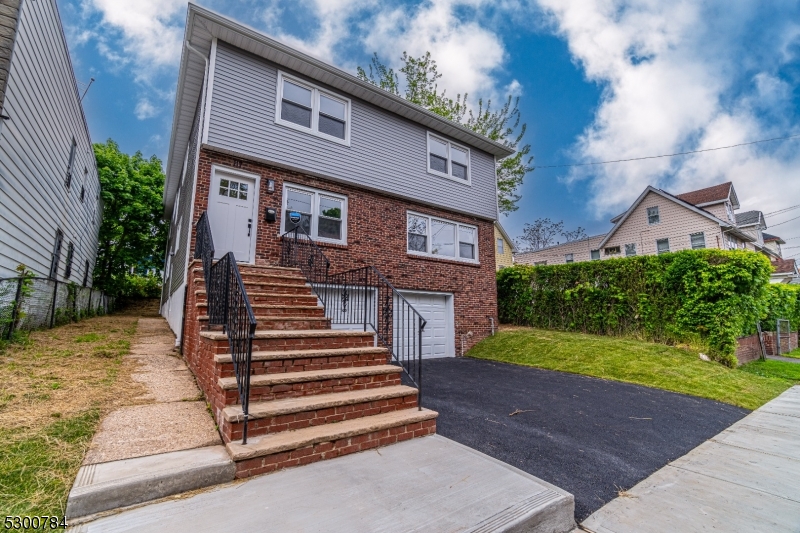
(706, 296)
(136, 286)
(783, 301)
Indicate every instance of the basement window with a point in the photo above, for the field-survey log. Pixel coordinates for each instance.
(307, 107)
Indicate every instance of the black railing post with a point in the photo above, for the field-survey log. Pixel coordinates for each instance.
(419, 368)
(53, 308)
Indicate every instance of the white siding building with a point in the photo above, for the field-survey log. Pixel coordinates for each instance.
(50, 207)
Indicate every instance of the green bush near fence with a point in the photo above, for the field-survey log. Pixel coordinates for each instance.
(136, 286)
(783, 301)
(706, 297)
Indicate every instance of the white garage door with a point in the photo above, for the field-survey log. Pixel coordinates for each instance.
(436, 337)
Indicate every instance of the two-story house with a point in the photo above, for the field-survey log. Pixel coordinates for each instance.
(270, 145)
(50, 208)
(659, 222)
(504, 247)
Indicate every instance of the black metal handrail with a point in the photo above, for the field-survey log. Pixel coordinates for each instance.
(361, 296)
(229, 307)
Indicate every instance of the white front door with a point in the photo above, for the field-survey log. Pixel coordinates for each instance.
(231, 213)
(436, 309)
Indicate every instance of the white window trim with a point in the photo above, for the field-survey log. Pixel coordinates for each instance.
(448, 175)
(316, 91)
(430, 239)
(315, 211)
(501, 247)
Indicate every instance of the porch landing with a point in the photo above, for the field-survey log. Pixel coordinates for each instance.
(424, 484)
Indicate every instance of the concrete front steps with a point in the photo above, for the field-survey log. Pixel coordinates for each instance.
(315, 393)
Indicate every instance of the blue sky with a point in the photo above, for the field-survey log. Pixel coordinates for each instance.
(598, 80)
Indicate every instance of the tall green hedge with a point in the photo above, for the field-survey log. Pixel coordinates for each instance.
(783, 301)
(710, 296)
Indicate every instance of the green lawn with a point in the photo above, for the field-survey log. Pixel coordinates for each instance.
(794, 353)
(643, 363)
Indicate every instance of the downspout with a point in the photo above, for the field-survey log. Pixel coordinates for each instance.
(190, 222)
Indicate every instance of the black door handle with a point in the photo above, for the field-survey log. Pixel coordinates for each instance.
(249, 225)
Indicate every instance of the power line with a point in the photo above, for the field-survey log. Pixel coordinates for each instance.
(669, 155)
(779, 211)
(784, 222)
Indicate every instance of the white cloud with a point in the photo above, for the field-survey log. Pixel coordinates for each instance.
(145, 109)
(683, 76)
(150, 31)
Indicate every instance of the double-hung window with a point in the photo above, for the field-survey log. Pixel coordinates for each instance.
(569, 258)
(441, 238)
(448, 159)
(323, 215)
(306, 107)
(72, 148)
(500, 246)
(662, 246)
(698, 240)
(630, 249)
(652, 215)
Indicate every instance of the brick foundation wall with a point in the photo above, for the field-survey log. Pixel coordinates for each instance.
(749, 349)
(376, 234)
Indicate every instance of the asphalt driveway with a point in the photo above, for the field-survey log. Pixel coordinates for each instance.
(589, 436)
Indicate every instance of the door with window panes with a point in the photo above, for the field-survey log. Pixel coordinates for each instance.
(231, 215)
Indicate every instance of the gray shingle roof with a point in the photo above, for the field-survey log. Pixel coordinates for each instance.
(748, 218)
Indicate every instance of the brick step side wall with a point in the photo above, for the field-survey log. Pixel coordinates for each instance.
(225, 370)
(331, 449)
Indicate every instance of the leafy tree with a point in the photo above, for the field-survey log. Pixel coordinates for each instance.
(542, 233)
(133, 233)
(501, 125)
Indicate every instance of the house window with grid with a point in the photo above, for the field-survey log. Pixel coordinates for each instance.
(72, 148)
(652, 215)
(698, 240)
(305, 106)
(569, 258)
(595, 254)
(56, 258)
(630, 249)
(68, 266)
(448, 159)
(427, 235)
(323, 215)
(662, 246)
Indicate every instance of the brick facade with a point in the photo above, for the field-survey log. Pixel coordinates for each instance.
(749, 349)
(376, 235)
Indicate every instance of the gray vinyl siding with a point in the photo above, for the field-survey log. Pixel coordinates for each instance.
(42, 100)
(387, 153)
(183, 216)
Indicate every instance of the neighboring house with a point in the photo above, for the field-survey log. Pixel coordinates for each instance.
(378, 180)
(50, 206)
(659, 222)
(786, 271)
(504, 247)
(773, 243)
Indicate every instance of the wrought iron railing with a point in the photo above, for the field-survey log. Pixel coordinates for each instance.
(229, 307)
(361, 297)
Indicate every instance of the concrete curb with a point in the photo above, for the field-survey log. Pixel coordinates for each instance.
(105, 486)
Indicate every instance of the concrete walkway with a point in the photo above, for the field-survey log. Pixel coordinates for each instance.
(165, 445)
(429, 484)
(784, 359)
(746, 479)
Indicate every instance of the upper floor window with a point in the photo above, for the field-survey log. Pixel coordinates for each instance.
(662, 246)
(595, 255)
(323, 215)
(306, 107)
(569, 258)
(729, 210)
(698, 240)
(652, 215)
(630, 249)
(73, 147)
(500, 247)
(448, 159)
(438, 237)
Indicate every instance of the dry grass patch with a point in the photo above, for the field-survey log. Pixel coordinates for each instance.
(54, 388)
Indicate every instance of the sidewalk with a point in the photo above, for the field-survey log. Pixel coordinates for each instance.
(746, 479)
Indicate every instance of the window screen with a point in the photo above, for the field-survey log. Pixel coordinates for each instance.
(698, 240)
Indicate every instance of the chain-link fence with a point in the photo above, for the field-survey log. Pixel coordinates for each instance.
(28, 303)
